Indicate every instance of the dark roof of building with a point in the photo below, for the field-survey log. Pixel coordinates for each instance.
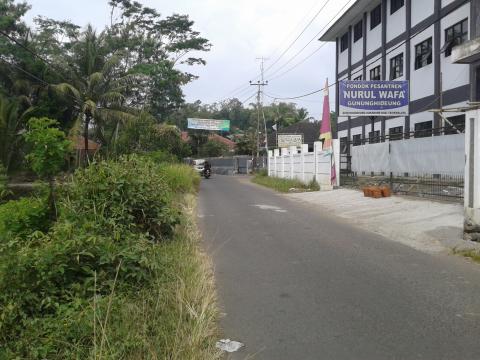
(310, 131)
(79, 144)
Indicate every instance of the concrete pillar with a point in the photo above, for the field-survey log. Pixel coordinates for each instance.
(317, 148)
(304, 151)
(472, 176)
(293, 152)
(276, 154)
(336, 159)
(269, 162)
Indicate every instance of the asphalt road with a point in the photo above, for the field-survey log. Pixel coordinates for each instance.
(297, 283)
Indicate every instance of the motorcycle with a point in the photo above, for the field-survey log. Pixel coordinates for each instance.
(207, 173)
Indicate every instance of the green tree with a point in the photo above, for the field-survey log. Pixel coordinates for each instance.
(154, 46)
(302, 115)
(213, 148)
(48, 151)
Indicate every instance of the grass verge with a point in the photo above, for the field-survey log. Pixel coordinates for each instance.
(118, 275)
(176, 317)
(471, 254)
(284, 185)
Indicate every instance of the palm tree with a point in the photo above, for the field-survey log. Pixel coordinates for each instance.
(96, 89)
(12, 123)
(302, 115)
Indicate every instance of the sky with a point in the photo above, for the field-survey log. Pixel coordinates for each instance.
(240, 32)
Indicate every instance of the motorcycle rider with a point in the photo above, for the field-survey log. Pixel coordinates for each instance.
(207, 166)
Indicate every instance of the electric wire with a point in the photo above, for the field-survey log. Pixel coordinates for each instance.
(286, 50)
(311, 40)
(376, 59)
(298, 36)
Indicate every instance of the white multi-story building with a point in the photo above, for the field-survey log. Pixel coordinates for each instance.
(407, 40)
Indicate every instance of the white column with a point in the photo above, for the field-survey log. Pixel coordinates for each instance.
(283, 156)
(317, 148)
(304, 151)
(336, 158)
(276, 153)
(472, 176)
(269, 162)
(293, 151)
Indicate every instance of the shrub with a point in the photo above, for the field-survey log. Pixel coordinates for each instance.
(161, 157)
(109, 215)
(4, 192)
(20, 218)
(130, 194)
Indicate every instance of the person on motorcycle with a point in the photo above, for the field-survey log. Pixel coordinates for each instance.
(207, 166)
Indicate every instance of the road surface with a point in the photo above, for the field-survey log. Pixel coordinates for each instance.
(299, 283)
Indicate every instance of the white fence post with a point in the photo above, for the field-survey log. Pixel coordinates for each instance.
(269, 162)
(317, 148)
(276, 153)
(283, 154)
(304, 150)
(293, 151)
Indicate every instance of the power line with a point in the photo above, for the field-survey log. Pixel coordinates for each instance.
(36, 78)
(25, 71)
(361, 69)
(299, 35)
(244, 101)
(311, 40)
(295, 28)
(18, 43)
(299, 63)
(284, 52)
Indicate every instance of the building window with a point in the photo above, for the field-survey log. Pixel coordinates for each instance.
(358, 78)
(455, 35)
(374, 137)
(357, 140)
(396, 67)
(457, 125)
(358, 31)
(423, 54)
(375, 17)
(395, 133)
(423, 129)
(395, 5)
(375, 73)
(344, 42)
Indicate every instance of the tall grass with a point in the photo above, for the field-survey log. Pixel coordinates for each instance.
(180, 177)
(176, 317)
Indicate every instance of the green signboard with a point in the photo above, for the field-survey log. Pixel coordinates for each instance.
(209, 124)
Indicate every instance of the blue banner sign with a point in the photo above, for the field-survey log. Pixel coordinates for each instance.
(373, 98)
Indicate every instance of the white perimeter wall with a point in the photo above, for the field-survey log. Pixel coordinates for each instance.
(305, 166)
(430, 155)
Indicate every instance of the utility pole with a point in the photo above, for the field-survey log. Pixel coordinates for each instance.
(260, 84)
